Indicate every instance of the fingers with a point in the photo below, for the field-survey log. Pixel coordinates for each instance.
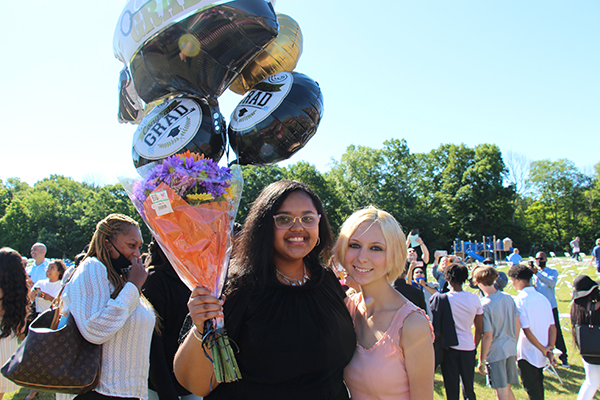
(137, 262)
(203, 305)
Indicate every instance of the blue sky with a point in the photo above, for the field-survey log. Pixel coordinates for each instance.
(524, 75)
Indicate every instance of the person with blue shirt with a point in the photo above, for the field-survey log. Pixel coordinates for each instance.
(596, 255)
(37, 270)
(545, 279)
(514, 258)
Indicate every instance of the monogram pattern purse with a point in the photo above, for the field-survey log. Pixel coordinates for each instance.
(55, 358)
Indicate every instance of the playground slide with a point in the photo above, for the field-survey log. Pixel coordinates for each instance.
(475, 256)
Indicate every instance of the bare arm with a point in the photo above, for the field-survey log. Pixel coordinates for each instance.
(411, 270)
(427, 287)
(486, 343)
(424, 250)
(552, 336)
(417, 345)
(547, 351)
(192, 368)
(478, 329)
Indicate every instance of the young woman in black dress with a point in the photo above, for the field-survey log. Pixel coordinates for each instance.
(284, 310)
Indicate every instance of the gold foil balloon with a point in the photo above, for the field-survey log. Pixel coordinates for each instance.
(280, 55)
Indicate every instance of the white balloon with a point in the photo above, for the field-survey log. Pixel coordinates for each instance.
(141, 20)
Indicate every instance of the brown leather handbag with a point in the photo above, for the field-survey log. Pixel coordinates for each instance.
(55, 359)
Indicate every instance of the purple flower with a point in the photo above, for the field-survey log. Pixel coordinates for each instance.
(185, 176)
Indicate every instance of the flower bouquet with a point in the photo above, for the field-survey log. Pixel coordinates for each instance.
(189, 204)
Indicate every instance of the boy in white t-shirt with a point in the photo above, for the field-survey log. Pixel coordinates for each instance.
(538, 332)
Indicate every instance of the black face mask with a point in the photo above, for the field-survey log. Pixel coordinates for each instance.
(121, 264)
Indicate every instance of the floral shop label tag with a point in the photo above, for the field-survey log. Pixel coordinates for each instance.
(167, 128)
(161, 203)
(261, 101)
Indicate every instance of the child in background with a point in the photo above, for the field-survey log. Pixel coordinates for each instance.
(498, 354)
(45, 290)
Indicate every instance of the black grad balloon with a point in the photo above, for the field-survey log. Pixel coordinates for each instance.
(203, 53)
(180, 124)
(279, 132)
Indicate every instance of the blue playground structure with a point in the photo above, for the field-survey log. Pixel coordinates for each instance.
(489, 247)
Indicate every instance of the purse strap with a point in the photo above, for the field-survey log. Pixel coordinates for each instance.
(591, 309)
(56, 304)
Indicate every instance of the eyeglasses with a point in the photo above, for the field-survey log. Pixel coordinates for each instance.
(308, 221)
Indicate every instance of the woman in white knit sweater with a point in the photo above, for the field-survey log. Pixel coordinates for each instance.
(104, 296)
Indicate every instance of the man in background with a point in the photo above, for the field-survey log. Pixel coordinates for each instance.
(545, 279)
(37, 271)
(596, 256)
(576, 249)
(514, 258)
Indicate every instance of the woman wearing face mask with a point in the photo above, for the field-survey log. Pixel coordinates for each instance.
(104, 297)
(284, 310)
(394, 356)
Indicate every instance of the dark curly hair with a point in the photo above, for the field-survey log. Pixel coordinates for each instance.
(61, 267)
(456, 274)
(252, 262)
(14, 292)
(520, 272)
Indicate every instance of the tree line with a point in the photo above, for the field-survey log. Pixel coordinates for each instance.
(451, 192)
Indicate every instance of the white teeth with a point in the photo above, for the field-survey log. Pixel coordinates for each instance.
(296, 239)
(362, 270)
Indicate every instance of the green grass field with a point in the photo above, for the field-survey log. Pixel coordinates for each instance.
(572, 378)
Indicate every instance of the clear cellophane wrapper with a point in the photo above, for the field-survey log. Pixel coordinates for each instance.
(197, 240)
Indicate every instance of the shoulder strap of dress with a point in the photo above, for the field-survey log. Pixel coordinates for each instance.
(400, 317)
(352, 303)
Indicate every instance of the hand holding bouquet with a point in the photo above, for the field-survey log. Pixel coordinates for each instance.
(189, 204)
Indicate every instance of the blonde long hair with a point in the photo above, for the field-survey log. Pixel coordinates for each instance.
(109, 228)
(392, 233)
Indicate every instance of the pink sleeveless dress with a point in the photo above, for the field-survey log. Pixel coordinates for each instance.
(379, 373)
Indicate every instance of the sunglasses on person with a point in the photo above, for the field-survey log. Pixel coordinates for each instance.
(308, 221)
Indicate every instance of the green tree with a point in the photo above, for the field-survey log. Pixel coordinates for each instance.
(357, 178)
(558, 193)
(255, 180)
(308, 173)
(14, 227)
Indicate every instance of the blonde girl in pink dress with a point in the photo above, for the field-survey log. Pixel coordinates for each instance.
(394, 356)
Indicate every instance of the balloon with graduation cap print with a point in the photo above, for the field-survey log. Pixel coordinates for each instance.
(177, 125)
(275, 119)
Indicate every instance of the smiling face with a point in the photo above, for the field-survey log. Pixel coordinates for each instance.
(129, 243)
(293, 244)
(366, 254)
